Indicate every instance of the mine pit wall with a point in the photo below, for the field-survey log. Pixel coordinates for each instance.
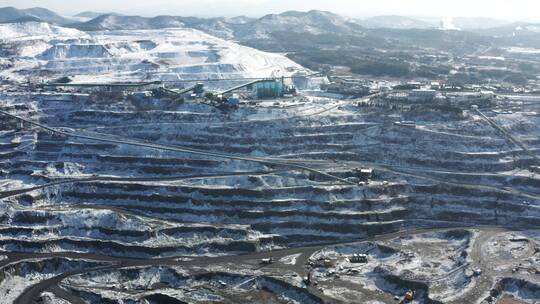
(115, 249)
(309, 221)
(512, 285)
(275, 286)
(314, 220)
(285, 216)
(89, 296)
(44, 267)
(403, 285)
(289, 226)
(469, 207)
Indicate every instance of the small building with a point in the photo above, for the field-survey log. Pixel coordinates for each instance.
(358, 258)
(233, 100)
(301, 80)
(489, 95)
(198, 88)
(363, 173)
(415, 84)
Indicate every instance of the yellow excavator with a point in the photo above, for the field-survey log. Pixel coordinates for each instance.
(409, 296)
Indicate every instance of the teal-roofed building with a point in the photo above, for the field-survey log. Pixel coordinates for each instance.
(268, 89)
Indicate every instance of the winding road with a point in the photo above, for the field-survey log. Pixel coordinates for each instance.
(252, 260)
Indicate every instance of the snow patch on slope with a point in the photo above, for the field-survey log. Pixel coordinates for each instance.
(36, 30)
(134, 55)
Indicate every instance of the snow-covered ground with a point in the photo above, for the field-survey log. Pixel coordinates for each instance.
(437, 259)
(35, 30)
(19, 276)
(12, 286)
(176, 283)
(290, 259)
(51, 298)
(47, 51)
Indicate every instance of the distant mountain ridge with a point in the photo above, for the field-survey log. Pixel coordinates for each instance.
(292, 30)
(88, 15)
(396, 22)
(13, 15)
(519, 29)
(478, 23)
(314, 22)
(404, 22)
(92, 15)
(116, 22)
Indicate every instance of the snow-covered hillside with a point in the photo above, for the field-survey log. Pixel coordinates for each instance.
(165, 54)
(36, 30)
(312, 22)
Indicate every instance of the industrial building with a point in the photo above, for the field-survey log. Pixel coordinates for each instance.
(346, 88)
(268, 88)
(422, 95)
(258, 89)
(478, 97)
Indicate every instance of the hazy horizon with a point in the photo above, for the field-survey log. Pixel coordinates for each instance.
(497, 9)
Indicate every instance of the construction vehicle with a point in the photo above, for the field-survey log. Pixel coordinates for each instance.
(405, 123)
(307, 279)
(328, 263)
(409, 296)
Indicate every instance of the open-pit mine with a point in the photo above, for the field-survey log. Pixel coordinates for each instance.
(171, 166)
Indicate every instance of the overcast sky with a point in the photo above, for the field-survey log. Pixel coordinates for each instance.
(502, 9)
